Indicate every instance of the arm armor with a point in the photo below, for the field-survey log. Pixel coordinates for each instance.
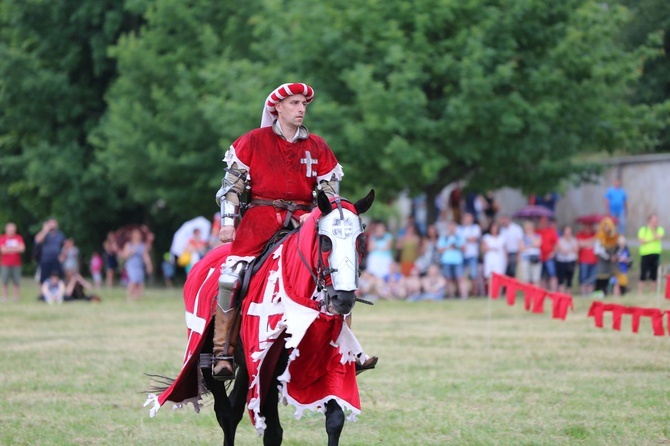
(228, 196)
(331, 188)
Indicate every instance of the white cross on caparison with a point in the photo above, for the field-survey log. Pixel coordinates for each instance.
(309, 161)
(269, 307)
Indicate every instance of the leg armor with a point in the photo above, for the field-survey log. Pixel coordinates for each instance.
(225, 328)
(229, 282)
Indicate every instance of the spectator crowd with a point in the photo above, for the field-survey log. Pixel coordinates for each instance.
(451, 258)
(456, 256)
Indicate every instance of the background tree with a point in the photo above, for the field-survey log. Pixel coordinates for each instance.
(504, 93)
(54, 72)
(184, 93)
(651, 20)
(410, 95)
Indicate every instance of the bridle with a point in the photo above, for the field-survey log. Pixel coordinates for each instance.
(323, 271)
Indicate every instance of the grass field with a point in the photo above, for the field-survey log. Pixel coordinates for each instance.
(450, 373)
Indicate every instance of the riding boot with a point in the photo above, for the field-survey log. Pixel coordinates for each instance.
(225, 328)
(369, 363)
(224, 345)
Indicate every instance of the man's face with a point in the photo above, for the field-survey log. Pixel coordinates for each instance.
(291, 111)
(10, 229)
(468, 219)
(617, 183)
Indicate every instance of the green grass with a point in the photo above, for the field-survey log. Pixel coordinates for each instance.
(450, 373)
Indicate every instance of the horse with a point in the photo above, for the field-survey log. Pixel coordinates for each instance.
(295, 345)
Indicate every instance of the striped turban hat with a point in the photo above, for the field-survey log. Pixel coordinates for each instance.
(280, 93)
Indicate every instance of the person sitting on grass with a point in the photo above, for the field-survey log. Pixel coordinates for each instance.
(76, 289)
(392, 285)
(433, 285)
(413, 284)
(368, 286)
(53, 289)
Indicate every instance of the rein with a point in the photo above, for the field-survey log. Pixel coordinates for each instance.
(323, 271)
(320, 280)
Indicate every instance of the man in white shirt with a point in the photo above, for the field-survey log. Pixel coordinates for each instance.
(472, 234)
(512, 235)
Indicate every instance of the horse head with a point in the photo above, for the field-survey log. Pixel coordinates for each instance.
(341, 246)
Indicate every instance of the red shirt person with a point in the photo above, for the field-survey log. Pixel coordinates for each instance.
(11, 247)
(548, 246)
(586, 259)
(279, 165)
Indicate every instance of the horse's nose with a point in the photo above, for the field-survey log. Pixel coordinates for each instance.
(343, 301)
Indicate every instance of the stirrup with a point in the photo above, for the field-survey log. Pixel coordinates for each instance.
(369, 364)
(224, 374)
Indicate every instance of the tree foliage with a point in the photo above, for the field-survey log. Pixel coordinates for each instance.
(651, 22)
(54, 72)
(131, 106)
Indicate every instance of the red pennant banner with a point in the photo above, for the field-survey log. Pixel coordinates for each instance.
(534, 296)
(598, 309)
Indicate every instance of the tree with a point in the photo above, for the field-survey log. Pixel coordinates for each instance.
(182, 96)
(410, 95)
(504, 93)
(651, 21)
(54, 72)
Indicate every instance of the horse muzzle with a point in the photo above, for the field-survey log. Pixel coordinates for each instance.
(339, 302)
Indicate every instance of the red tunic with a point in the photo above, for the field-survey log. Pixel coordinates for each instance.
(278, 169)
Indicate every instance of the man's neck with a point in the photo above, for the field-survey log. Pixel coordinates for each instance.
(289, 132)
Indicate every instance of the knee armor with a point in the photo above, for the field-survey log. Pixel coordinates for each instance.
(229, 282)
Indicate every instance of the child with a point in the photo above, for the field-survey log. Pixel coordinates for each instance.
(53, 289)
(413, 284)
(96, 269)
(624, 262)
(433, 284)
(392, 285)
(168, 269)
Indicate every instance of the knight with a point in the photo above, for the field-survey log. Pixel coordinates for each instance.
(280, 166)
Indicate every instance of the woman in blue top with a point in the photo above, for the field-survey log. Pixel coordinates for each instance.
(530, 266)
(450, 247)
(380, 251)
(137, 260)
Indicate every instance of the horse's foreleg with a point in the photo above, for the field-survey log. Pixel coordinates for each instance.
(222, 408)
(334, 422)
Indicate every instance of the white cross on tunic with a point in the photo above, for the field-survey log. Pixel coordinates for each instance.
(309, 161)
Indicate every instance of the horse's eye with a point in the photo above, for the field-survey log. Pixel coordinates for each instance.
(326, 244)
(360, 243)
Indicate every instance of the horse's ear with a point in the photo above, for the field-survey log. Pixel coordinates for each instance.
(323, 202)
(364, 204)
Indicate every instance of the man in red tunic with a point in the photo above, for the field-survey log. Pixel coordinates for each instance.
(281, 165)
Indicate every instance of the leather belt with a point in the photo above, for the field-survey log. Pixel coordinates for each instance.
(289, 206)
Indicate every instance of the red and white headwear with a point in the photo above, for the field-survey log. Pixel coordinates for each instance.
(280, 93)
